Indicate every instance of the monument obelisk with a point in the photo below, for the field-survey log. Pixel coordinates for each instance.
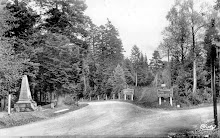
(25, 102)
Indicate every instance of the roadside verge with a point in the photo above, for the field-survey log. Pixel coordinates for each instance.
(21, 118)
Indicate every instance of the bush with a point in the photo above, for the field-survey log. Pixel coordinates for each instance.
(69, 100)
(147, 95)
(186, 97)
(137, 92)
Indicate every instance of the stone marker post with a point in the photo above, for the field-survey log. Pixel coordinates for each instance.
(119, 96)
(132, 97)
(98, 97)
(171, 102)
(124, 96)
(113, 96)
(159, 100)
(106, 97)
(52, 105)
(9, 104)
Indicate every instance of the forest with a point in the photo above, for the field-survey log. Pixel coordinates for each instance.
(62, 51)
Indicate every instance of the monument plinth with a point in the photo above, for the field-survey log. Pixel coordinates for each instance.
(25, 102)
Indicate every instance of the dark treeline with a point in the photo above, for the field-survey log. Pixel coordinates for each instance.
(63, 52)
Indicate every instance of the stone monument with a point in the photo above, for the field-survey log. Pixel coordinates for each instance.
(25, 102)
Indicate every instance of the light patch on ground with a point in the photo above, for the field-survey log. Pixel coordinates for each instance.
(61, 111)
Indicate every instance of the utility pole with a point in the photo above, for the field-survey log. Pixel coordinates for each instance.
(213, 81)
(213, 49)
(169, 67)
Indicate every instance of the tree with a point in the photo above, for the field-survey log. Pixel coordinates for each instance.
(20, 21)
(11, 68)
(176, 35)
(12, 65)
(186, 30)
(53, 41)
(63, 60)
(129, 71)
(139, 69)
(119, 82)
(135, 58)
(156, 64)
(105, 54)
(196, 21)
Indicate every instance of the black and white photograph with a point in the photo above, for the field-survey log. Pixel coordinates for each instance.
(110, 68)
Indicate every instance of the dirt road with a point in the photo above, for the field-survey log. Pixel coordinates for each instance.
(112, 118)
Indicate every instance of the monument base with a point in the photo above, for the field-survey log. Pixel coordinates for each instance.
(25, 106)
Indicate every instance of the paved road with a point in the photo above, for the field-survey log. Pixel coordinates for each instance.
(112, 118)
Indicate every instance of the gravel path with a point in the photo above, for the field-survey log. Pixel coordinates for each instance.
(112, 118)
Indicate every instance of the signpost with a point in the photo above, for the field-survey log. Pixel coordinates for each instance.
(165, 93)
(130, 92)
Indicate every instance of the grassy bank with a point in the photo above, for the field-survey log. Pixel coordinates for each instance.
(21, 118)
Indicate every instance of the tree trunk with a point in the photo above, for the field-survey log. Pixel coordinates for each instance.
(40, 97)
(182, 53)
(3, 104)
(156, 83)
(84, 80)
(194, 77)
(136, 79)
(194, 62)
(50, 97)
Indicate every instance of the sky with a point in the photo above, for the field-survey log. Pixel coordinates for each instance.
(139, 22)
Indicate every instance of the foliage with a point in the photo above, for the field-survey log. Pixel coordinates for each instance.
(148, 96)
(188, 52)
(142, 76)
(69, 100)
(129, 71)
(156, 63)
(63, 51)
(12, 64)
(119, 82)
(105, 54)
